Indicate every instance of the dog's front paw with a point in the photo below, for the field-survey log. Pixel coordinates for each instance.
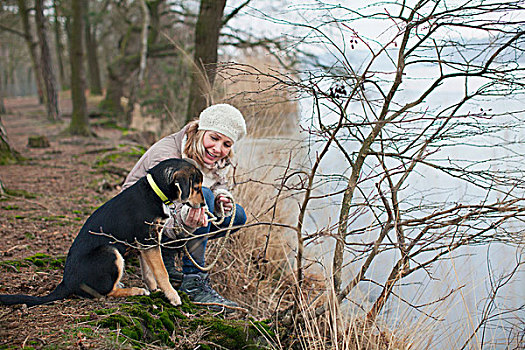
(174, 298)
(176, 302)
(140, 291)
(152, 287)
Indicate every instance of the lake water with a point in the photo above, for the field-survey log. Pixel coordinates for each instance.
(468, 277)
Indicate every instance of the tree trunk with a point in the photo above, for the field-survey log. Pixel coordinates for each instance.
(2, 188)
(114, 89)
(7, 153)
(59, 48)
(31, 46)
(207, 31)
(46, 65)
(142, 65)
(95, 86)
(2, 105)
(120, 69)
(79, 119)
(396, 274)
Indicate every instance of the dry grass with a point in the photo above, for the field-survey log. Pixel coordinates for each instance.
(257, 258)
(257, 271)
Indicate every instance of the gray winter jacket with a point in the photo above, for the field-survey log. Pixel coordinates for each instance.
(172, 146)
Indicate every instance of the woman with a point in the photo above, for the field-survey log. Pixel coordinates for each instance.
(208, 141)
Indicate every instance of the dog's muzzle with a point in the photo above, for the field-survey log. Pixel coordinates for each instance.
(197, 206)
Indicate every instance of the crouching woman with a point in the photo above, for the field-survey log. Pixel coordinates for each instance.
(208, 141)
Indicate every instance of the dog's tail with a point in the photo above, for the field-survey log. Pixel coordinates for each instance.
(60, 292)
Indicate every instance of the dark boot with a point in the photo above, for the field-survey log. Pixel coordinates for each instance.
(168, 257)
(197, 287)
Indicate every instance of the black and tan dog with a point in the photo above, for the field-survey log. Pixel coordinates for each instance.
(94, 264)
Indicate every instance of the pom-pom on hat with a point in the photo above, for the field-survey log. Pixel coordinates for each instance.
(225, 119)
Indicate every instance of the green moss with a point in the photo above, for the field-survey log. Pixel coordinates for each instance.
(134, 333)
(37, 256)
(152, 319)
(108, 123)
(84, 330)
(58, 220)
(115, 321)
(132, 265)
(135, 151)
(166, 321)
(142, 299)
(148, 320)
(11, 207)
(175, 313)
(13, 263)
(106, 159)
(230, 334)
(142, 325)
(263, 328)
(42, 261)
(9, 155)
(20, 193)
(187, 306)
(29, 235)
(106, 311)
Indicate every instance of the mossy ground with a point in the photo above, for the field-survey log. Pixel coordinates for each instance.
(40, 261)
(152, 320)
(143, 321)
(121, 152)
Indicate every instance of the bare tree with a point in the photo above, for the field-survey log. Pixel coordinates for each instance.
(380, 130)
(59, 46)
(46, 64)
(494, 313)
(7, 153)
(32, 48)
(2, 105)
(205, 57)
(207, 31)
(128, 60)
(95, 84)
(79, 120)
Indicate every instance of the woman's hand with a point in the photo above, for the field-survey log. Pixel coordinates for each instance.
(196, 218)
(226, 202)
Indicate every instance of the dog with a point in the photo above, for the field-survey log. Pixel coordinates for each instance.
(95, 263)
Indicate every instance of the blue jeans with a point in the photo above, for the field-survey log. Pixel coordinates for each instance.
(197, 246)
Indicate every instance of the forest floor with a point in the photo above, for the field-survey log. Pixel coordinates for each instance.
(50, 194)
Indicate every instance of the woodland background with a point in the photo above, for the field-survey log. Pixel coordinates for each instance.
(384, 157)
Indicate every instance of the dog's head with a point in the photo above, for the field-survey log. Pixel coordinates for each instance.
(180, 181)
(188, 179)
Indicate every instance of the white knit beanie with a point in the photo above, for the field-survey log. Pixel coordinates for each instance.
(225, 119)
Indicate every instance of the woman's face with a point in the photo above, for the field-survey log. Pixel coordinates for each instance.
(216, 146)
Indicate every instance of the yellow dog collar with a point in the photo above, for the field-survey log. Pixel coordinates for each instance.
(157, 190)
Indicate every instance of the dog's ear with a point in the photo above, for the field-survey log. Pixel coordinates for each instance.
(180, 182)
(178, 195)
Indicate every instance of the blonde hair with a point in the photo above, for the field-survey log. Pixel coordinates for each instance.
(194, 147)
